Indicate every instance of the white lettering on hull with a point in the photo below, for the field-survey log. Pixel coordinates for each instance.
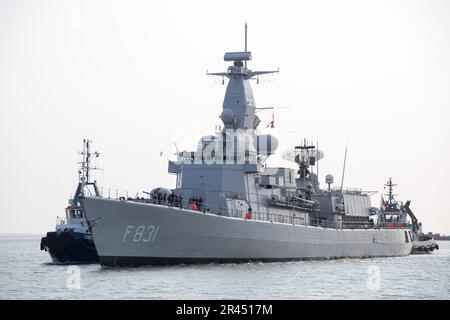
(141, 233)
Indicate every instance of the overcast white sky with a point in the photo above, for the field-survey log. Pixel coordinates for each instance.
(131, 76)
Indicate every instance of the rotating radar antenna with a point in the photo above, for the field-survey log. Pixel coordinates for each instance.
(305, 156)
(296, 155)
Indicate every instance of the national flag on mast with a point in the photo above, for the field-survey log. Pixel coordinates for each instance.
(383, 205)
(271, 124)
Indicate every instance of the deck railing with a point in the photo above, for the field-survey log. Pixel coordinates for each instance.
(307, 217)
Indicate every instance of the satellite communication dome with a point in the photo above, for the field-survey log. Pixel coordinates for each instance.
(329, 179)
(265, 144)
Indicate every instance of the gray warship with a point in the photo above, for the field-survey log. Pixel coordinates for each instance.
(229, 206)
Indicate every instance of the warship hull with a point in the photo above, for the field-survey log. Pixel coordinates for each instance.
(133, 234)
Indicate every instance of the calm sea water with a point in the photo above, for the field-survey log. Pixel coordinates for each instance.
(26, 273)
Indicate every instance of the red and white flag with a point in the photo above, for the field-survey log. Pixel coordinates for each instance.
(271, 124)
(383, 205)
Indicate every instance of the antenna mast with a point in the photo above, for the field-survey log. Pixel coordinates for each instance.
(86, 164)
(390, 194)
(343, 169)
(245, 62)
(87, 157)
(84, 173)
(317, 158)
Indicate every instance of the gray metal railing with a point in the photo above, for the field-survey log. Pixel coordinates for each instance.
(307, 217)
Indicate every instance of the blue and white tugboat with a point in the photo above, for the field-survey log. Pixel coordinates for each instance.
(72, 241)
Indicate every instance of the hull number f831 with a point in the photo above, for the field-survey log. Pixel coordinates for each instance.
(140, 233)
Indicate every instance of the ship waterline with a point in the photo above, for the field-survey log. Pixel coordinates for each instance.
(127, 233)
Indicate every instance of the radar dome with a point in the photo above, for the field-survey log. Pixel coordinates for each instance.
(329, 179)
(265, 144)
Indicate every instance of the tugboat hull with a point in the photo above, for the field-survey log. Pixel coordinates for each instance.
(70, 247)
(424, 247)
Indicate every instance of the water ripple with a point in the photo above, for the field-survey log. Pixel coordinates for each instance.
(27, 273)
